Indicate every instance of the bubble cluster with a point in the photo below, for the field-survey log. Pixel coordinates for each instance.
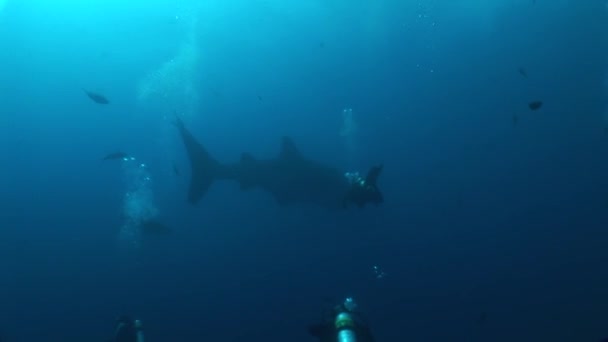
(349, 126)
(350, 304)
(172, 85)
(348, 132)
(138, 201)
(378, 272)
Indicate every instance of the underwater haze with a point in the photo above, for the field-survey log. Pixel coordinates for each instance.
(489, 116)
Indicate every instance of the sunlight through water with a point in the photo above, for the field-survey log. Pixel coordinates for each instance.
(173, 85)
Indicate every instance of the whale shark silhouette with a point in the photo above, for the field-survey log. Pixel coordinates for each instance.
(289, 177)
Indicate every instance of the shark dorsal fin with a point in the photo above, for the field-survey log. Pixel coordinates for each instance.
(289, 149)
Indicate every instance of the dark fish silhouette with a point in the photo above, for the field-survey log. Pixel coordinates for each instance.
(290, 177)
(535, 105)
(515, 120)
(523, 72)
(175, 169)
(115, 156)
(260, 98)
(97, 98)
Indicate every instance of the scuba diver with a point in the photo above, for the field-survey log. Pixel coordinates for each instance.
(344, 324)
(128, 330)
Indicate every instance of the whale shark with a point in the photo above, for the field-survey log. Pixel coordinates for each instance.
(97, 98)
(289, 177)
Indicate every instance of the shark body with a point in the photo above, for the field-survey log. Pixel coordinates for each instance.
(290, 177)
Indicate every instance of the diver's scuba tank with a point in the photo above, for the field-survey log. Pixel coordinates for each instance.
(139, 331)
(128, 329)
(345, 324)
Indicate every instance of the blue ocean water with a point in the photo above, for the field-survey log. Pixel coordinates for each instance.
(494, 221)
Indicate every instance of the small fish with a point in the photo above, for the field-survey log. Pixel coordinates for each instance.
(535, 105)
(523, 72)
(97, 98)
(115, 156)
(260, 98)
(175, 169)
(515, 120)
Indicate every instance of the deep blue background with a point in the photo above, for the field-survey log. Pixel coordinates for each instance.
(483, 218)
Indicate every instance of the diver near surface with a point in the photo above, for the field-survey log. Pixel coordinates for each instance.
(343, 324)
(290, 177)
(128, 330)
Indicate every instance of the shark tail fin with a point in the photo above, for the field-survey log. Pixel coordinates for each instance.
(204, 168)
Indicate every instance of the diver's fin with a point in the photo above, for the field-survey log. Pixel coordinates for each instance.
(373, 174)
(289, 149)
(204, 168)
